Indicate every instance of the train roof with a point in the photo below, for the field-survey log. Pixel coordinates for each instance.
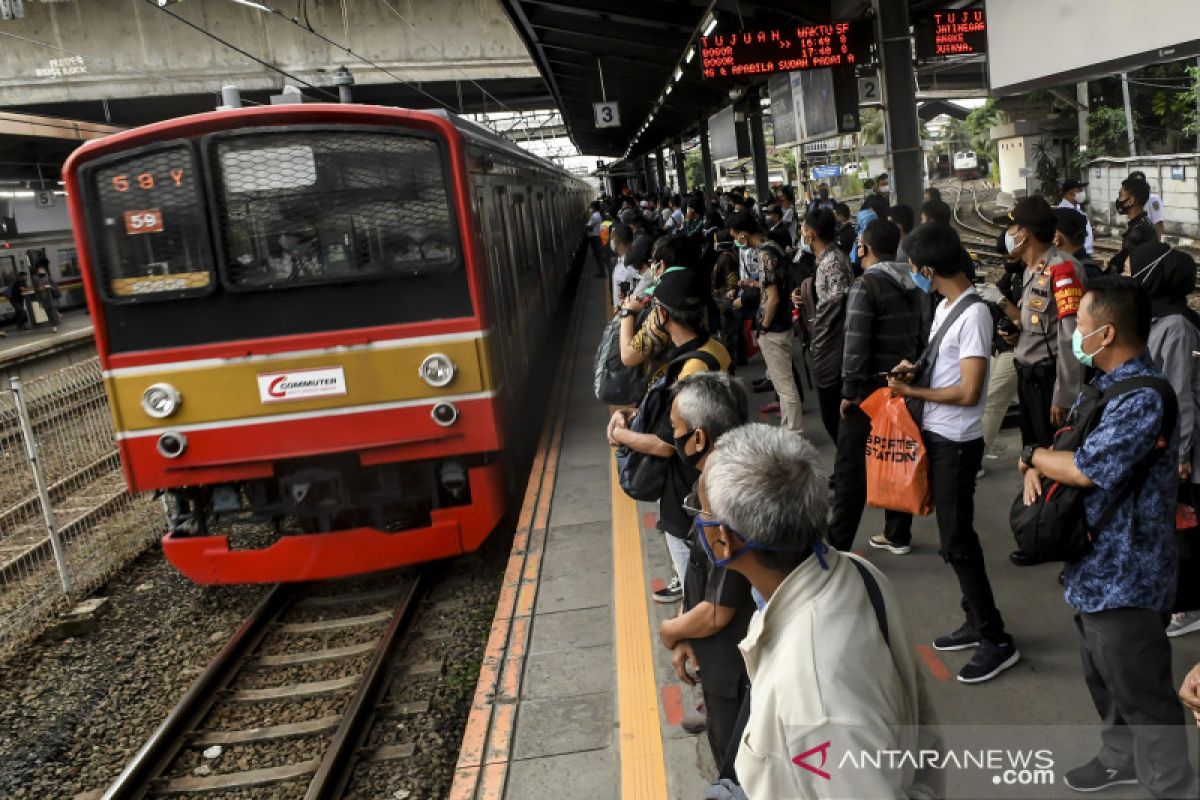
(482, 135)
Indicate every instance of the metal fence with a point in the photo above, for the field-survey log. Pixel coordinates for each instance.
(66, 522)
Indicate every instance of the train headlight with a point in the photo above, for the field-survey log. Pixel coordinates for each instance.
(161, 400)
(438, 370)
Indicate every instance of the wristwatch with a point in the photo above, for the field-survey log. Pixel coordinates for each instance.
(1027, 455)
(624, 312)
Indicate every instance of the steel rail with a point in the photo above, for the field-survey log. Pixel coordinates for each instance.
(164, 744)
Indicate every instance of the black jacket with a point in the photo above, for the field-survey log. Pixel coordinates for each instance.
(884, 325)
(1139, 231)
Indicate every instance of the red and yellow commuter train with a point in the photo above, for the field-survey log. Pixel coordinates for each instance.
(324, 316)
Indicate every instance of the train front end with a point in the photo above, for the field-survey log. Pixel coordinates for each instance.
(291, 318)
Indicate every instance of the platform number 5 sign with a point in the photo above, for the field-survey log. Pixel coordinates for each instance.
(869, 93)
(607, 115)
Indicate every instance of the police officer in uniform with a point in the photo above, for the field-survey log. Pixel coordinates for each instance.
(1052, 286)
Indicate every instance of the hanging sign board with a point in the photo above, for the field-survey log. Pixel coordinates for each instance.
(761, 52)
(951, 32)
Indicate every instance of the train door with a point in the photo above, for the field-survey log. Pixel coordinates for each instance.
(541, 243)
(8, 274)
(514, 313)
(500, 296)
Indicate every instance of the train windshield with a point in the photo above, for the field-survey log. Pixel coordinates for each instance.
(149, 226)
(296, 208)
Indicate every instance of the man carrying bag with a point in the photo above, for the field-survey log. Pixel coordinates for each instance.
(1123, 584)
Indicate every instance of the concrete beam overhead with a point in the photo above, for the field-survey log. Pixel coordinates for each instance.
(108, 49)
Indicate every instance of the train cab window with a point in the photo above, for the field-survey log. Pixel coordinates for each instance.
(68, 263)
(148, 226)
(331, 206)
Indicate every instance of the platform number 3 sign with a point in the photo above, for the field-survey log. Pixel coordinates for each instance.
(607, 115)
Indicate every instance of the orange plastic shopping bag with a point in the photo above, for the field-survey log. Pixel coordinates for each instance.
(897, 462)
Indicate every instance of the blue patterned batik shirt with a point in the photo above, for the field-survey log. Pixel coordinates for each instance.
(1124, 571)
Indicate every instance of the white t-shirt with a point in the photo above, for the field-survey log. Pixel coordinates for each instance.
(1154, 209)
(969, 337)
(594, 223)
(621, 274)
(1088, 239)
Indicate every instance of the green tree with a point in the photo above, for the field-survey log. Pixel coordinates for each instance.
(1107, 132)
(978, 128)
(872, 126)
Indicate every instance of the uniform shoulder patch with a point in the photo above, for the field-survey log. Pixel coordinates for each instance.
(1068, 288)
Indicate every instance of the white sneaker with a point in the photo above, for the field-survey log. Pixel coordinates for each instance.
(880, 542)
(980, 474)
(1187, 622)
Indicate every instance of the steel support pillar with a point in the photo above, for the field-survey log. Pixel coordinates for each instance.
(900, 100)
(660, 166)
(648, 176)
(681, 185)
(758, 148)
(708, 176)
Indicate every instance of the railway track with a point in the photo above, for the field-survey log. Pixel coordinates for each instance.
(291, 697)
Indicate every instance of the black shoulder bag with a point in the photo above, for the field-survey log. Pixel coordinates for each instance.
(642, 476)
(1055, 527)
(924, 365)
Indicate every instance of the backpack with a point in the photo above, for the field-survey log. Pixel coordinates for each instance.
(1055, 527)
(615, 383)
(924, 365)
(642, 476)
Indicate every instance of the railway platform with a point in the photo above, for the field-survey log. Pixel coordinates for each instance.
(577, 698)
(31, 353)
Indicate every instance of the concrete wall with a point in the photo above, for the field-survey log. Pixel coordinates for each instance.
(31, 219)
(1014, 157)
(129, 48)
(1181, 198)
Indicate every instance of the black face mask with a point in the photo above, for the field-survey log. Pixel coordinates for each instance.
(681, 451)
(1121, 205)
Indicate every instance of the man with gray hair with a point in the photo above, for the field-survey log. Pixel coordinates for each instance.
(827, 616)
(717, 604)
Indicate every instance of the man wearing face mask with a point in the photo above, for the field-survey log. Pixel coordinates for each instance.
(717, 604)
(777, 229)
(1074, 195)
(827, 656)
(883, 187)
(883, 327)
(1122, 590)
(775, 321)
(1131, 202)
(1052, 285)
(678, 309)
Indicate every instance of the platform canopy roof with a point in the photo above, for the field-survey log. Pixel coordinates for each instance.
(628, 51)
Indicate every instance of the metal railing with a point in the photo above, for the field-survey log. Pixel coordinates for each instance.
(67, 524)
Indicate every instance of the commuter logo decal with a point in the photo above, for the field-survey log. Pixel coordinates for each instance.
(818, 770)
(305, 384)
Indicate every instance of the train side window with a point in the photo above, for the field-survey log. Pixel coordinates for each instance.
(68, 263)
(8, 271)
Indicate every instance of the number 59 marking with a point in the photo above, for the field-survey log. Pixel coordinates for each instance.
(145, 221)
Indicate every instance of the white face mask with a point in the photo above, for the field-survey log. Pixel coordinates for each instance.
(1010, 242)
(1081, 197)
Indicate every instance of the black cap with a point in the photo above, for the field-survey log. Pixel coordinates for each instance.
(1035, 215)
(1071, 184)
(1003, 220)
(1168, 275)
(1070, 223)
(678, 290)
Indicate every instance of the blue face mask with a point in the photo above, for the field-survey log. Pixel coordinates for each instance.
(819, 549)
(925, 284)
(1077, 346)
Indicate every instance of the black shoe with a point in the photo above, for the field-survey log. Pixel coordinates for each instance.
(1022, 559)
(763, 385)
(962, 639)
(1094, 776)
(989, 661)
(671, 593)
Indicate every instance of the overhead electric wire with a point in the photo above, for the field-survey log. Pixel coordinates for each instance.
(237, 49)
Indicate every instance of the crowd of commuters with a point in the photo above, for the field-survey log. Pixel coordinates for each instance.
(760, 538)
(34, 298)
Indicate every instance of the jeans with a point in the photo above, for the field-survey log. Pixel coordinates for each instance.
(850, 488)
(1127, 665)
(952, 469)
(680, 553)
(830, 400)
(777, 352)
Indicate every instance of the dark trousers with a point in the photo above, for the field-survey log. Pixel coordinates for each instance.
(830, 400)
(952, 469)
(720, 719)
(1127, 665)
(850, 488)
(1035, 391)
(598, 253)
